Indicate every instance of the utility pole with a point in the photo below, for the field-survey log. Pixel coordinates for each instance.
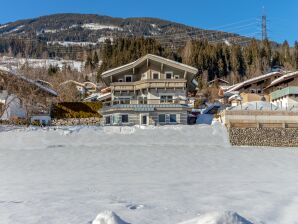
(264, 25)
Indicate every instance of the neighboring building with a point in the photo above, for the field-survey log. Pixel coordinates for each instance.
(259, 114)
(150, 91)
(83, 88)
(255, 85)
(218, 82)
(284, 91)
(12, 101)
(254, 89)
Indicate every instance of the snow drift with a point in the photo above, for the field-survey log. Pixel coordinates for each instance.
(149, 175)
(108, 217)
(219, 218)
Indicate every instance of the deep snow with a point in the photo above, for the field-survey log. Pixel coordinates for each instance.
(164, 175)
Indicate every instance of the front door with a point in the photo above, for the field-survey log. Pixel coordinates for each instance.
(144, 119)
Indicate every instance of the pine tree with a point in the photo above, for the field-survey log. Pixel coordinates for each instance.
(296, 55)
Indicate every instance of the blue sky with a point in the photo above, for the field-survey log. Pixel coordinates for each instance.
(240, 16)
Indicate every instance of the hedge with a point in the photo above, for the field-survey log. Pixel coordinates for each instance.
(76, 110)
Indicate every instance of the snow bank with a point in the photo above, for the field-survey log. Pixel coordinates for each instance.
(219, 218)
(179, 135)
(256, 105)
(108, 217)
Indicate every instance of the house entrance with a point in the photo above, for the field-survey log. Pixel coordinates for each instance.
(144, 119)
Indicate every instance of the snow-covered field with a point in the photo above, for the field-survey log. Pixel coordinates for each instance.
(164, 175)
(17, 63)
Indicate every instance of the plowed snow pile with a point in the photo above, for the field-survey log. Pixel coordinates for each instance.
(152, 175)
(219, 218)
(108, 217)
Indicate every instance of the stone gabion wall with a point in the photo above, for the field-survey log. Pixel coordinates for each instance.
(275, 137)
(76, 121)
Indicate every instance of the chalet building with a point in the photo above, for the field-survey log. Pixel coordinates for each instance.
(255, 85)
(254, 89)
(284, 91)
(150, 91)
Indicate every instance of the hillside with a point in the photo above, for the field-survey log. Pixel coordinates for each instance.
(92, 29)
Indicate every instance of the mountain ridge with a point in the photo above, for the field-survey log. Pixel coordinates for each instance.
(95, 28)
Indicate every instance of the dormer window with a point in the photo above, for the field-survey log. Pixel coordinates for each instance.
(169, 75)
(176, 77)
(128, 78)
(155, 75)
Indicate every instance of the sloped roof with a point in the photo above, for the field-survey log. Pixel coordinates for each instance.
(152, 57)
(283, 78)
(48, 90)
(218, 79)
(252, 80)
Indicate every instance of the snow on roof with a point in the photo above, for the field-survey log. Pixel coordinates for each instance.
(98, 96)
(235, 97)
(152, 57)
(40, 86)
(252, 80)
(220, 80)
(283, 78)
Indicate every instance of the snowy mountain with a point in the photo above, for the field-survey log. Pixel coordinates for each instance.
(96, 28)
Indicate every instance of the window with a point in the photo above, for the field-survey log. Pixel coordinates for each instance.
(120, 80)
(124, 118)
(162, 118)
(177, 77)
(166, 99)
(142, 100)
(108, 120)
(155, 75)
(173, 118)
(169, 75)
(128, 78)
(124, 100)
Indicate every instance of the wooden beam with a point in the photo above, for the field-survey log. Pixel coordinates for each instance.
(185, 73)
(161, 68)
(133, 70)
(111, 78)
(147, 62)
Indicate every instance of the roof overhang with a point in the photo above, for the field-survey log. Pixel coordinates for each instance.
(283, 78)
(148, 57)
(253, 80)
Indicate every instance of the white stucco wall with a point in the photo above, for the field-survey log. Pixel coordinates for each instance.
(14, 108)
(286, 102)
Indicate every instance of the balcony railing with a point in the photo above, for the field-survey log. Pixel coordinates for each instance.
(149, 101)
(149, 83)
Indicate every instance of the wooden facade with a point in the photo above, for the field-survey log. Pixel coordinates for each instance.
(151, 80)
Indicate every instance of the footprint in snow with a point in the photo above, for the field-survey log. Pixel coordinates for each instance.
(134, 206)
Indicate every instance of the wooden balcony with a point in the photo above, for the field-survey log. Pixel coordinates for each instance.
(147, 84)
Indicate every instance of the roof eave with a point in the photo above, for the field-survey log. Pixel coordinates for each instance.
(169, 62)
